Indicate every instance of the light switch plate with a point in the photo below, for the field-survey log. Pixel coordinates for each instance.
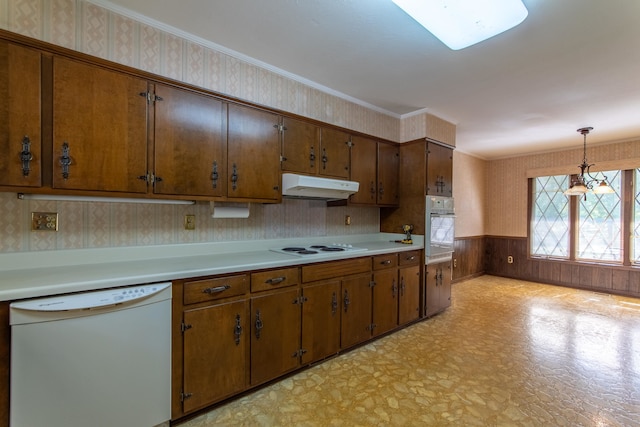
(189, 222)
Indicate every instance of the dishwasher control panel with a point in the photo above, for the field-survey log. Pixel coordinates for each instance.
(91, 300)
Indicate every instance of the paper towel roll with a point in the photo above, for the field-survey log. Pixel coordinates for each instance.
(230, 212)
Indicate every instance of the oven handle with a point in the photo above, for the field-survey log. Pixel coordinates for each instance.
(442, 215)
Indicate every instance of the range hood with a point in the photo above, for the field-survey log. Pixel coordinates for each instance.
(313, 187)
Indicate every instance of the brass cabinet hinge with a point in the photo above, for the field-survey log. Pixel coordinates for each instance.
(184, 396)
(185, 326)
(372, 283)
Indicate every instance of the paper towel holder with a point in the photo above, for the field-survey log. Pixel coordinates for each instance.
(234, 210)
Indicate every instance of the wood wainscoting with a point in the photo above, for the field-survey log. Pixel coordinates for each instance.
(612, 279)
(468, 258)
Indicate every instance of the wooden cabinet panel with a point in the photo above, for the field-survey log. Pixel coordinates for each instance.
(273, 279)
(385, 301)
(409, 258)
(334, 156)
(388, 174)
(216, 353)
(364, 170)
(320, 320)
(196, 291)
(356, 310)
(253, 148)
(439, 170)
(99, 128)
(438, 287)
(409, 294)
(189, 143)
(381, 262)
(275, 334)
(300, 146)
(333, 269)
(20, 116)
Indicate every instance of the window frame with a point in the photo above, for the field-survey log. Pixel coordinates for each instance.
(627, 201)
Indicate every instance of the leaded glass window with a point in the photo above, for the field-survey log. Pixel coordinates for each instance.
(550, 217)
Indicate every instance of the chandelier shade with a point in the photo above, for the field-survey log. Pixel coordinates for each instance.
(585, 182)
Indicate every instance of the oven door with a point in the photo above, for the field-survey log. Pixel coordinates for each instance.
(440, 234)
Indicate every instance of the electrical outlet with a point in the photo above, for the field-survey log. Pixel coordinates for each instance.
(44, 221)
(347, 220)
(510, 259)
(455, 263)
(189, 222)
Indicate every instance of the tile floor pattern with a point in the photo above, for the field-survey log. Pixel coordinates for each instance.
(507, 353)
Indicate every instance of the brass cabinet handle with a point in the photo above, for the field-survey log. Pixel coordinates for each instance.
(275, 280)
(394, 288)
(325, 159)
(385, 262)
(347, 301)
(26, 156)
(216, 289)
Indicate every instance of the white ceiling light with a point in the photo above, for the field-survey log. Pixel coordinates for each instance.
(462, 23)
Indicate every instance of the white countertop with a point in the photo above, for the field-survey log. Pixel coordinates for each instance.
(37, 274)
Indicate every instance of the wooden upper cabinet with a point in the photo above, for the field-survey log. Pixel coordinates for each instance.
(439, 170)
(364, 170)
(300, 146)
(99, 128)
(253, 154)
(190, 145)
(388, 173)
(334, 155)
(20, 116)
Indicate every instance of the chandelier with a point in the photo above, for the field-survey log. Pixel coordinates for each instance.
(585, 182)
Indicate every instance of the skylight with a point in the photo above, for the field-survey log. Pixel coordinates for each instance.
(462, 23)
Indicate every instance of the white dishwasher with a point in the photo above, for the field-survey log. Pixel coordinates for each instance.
(92, 359)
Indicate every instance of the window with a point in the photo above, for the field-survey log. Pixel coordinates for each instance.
(585, 229)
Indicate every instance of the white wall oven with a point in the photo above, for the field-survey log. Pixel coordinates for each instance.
(439, 229)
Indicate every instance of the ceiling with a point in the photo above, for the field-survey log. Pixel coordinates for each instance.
(570, 64)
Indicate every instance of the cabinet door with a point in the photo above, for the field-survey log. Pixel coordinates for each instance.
(99, 128)
(385, 301)
(216, 353)
(363, 170)
(356, 310)
(20, 116)
(445, 285)
(439, 170)
(275, 335)
(334, 153)
(320, 321)
(253, 154)
(388, 172)
(409, 294)
(432, 294)
(300, 146)
(189, 144)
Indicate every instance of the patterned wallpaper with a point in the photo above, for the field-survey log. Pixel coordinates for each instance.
(469, 192)
(506, 182)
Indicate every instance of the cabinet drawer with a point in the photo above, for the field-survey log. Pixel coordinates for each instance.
(273, 279)
(381, 262)
(333, 269)
(216, 288)
(409, 258)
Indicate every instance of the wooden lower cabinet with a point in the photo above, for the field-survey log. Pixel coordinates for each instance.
(385, 301)
(437, 287)
(356, 310)
(275, 334)
(216, 353)
(408, 294)
(320, 320)
(234, 332)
